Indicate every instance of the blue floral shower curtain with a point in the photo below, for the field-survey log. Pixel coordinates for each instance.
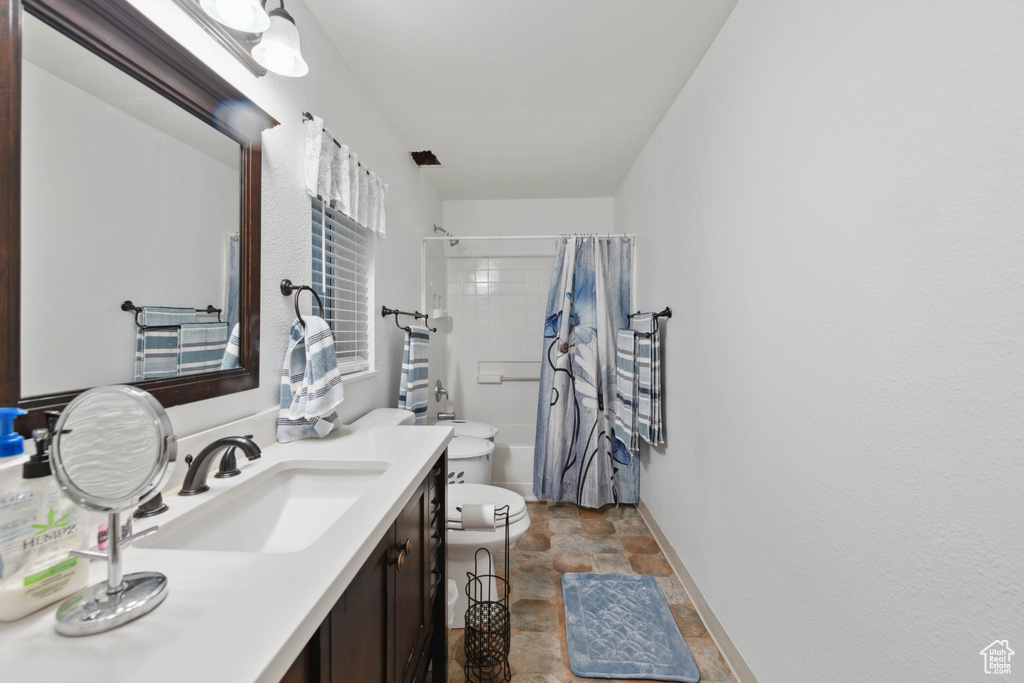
(576, 457)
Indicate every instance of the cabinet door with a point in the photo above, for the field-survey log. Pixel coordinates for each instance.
(359, 629)
(411, 608)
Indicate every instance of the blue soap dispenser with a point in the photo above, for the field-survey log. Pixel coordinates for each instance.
(11, 442)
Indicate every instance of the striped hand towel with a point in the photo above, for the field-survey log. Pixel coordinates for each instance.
(648, 368)
(412, 392)
(157, 350)
(626, 389)
(311, 387)
(232, 350)
(202, 347)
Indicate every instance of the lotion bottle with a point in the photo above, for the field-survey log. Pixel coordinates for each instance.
(39, 526)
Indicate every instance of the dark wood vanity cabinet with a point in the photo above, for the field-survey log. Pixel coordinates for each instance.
(391, 623)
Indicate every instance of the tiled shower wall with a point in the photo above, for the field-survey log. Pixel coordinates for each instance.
(497, 307)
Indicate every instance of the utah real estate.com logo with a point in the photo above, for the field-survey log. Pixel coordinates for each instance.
(997, 657)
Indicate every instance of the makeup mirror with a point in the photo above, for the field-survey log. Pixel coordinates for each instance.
(110, 452)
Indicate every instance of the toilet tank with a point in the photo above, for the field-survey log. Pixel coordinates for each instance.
(469, 460)
(386, 417)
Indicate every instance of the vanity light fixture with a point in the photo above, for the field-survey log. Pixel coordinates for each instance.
(278, 48)
(247, 16)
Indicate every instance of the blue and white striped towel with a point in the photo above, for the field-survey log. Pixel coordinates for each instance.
(232, 350)
(626, 389)
(648, 370)
(202, 347)
(311, 387)
(157, 352)
(413, 391)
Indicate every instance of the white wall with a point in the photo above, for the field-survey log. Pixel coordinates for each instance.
(528, 216)
(331, 91)
(833, 209)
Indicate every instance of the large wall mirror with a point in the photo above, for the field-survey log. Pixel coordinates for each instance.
(131, 172)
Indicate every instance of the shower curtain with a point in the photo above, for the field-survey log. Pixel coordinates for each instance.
(576, 457)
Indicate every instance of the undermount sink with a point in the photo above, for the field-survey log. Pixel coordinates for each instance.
(281, 510)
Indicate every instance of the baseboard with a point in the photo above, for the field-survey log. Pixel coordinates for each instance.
(524, 489)
(730, 653)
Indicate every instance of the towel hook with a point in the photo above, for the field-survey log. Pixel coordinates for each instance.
(287, 288)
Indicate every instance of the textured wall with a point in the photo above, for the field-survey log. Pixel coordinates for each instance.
(330, 91)
(833, 209)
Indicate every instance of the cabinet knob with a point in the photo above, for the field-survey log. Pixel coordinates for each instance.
(404, 550)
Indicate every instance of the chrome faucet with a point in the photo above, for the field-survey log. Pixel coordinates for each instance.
(199, 468)
(439, 390)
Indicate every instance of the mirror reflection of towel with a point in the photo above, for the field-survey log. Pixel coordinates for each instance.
(232, 350)
(157, 350)
(201, 347)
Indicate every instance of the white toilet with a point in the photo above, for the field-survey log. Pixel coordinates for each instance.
(469, 475)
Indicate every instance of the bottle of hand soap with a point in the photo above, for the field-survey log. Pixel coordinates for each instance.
(39, 526)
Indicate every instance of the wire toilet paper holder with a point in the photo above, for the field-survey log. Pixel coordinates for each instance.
(488, 621)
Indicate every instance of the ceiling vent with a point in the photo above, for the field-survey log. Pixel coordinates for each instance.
(425, 158)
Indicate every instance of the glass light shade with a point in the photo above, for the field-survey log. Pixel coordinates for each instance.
(241, 15)
(278, 49)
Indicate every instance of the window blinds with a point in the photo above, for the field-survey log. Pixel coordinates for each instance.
(342, 267)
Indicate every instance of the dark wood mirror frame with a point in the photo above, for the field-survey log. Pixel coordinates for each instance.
(123, 36)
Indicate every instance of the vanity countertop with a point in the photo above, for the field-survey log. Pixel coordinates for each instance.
(233, 616)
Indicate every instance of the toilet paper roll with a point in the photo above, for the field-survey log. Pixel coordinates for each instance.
(478, 517)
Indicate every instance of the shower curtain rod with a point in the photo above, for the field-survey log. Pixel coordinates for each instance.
(535, 237)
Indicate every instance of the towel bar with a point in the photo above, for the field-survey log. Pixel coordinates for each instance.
(129, 307)
(385, 312)
(667, 313)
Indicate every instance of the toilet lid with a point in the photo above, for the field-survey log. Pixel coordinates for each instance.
(478, 494)
(470, 428)
(468, 447)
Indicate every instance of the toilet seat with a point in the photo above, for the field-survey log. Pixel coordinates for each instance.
(478, 494)
(461, 447)
(480, 430)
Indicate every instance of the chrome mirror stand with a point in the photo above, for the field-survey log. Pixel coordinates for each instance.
(111, 448)
(117, 600)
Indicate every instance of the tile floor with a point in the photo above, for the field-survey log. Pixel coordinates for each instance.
(563, 538)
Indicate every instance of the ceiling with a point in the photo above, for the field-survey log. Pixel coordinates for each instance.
(524, 99)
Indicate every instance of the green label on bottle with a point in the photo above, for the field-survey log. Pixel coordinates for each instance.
(55, 569)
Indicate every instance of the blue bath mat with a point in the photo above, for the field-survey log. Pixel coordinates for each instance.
(620, 626)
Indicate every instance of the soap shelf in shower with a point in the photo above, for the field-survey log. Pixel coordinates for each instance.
(498, 371)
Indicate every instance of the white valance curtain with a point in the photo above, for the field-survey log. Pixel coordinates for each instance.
(333, 171)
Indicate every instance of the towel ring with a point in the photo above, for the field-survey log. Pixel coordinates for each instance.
(287, 288)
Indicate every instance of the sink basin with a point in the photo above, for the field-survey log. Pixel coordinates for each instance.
(281, 510)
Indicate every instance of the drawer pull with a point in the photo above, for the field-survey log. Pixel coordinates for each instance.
(404, 551)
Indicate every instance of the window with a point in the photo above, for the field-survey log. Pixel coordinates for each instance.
(342, 272)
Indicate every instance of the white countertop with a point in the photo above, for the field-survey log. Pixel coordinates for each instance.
(233, 616)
